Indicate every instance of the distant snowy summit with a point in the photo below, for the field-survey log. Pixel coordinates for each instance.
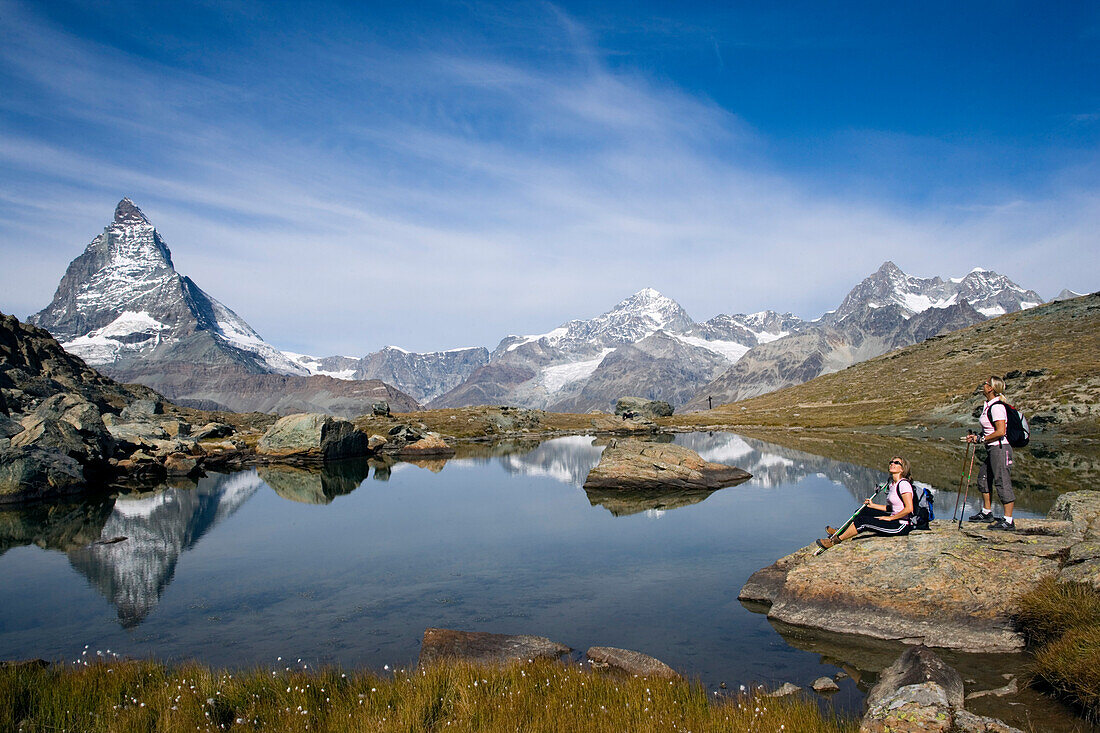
(122, 300)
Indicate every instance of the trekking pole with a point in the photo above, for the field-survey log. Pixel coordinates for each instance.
(962, 477)
(840, 530)
(969, 471)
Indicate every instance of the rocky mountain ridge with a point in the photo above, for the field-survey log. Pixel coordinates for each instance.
(886, 311)
(123, 307)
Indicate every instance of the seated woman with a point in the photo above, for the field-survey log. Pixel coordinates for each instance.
(891, 518)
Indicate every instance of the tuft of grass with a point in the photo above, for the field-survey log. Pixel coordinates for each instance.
(1070, 665)
(1063, 619)
(1051, 609)
(543, 696)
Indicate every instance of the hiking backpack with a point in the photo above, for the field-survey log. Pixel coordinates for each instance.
(923, 511)
(1016, 429)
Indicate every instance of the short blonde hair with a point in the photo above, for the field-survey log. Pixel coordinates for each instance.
(997, 384)
(904, 466)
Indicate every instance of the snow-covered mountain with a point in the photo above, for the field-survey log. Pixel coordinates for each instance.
(887, 310)
(122, 300)
(123, 308)
(424, 376)
(645, 346)
(987, 292)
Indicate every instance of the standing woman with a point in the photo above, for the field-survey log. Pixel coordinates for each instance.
(891, 518)
(996, 467)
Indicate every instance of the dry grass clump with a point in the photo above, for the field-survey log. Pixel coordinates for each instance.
(1064, 619)
(540, 696)
(1052, 608)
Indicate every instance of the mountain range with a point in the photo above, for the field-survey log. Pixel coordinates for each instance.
(123, 308)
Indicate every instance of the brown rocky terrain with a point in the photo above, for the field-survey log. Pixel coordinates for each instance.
(947, 587)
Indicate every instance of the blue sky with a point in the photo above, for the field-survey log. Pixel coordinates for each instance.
(435, 175)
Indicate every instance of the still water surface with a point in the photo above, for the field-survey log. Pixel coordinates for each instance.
(351, 565)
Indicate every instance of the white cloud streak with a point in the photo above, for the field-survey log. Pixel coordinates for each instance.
(457, 198)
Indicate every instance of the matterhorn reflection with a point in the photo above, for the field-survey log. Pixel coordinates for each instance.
(158, 528)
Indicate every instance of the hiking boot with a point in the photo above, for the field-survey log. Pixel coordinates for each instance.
(982, 516)
(1003, 525)
(826, 543)
(829, 530)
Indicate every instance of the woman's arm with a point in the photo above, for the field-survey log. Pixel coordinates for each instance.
(999, 429)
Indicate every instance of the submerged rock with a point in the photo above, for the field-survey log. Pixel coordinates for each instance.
(945, 587)
(480, 647)
(629, 662)
(313, 436)
(632, 465)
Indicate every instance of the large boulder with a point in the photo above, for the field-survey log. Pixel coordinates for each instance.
(634, 465)
(32, 473)
(919, 692)
(945, 587)
(85, 418)
(313, 436)
(639, 407)
(479, 647)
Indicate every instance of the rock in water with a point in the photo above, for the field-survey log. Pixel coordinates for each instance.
(629, 662)
(919, 692)
(785, 689)
(480, 647)
(634, 465)
(313, 436)
(825, 685)
(430, 445)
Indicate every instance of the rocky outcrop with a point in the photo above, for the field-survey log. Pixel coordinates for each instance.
(634, 465)
(629, 662)
(945, 587)
(313, 436)
(921, 693)
(479, 647)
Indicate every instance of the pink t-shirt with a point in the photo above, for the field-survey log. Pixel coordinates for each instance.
(993, 411)
(893, 498)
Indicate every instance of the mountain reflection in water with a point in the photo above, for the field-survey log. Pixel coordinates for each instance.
(158, 528)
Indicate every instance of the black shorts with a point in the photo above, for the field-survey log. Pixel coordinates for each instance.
(871, 520)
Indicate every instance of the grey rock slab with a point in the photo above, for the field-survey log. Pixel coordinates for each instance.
(31, 473)
(825, 685)
(313, 435)
(479, 647)
(629, 662)
(1010, 689)
(639, 465)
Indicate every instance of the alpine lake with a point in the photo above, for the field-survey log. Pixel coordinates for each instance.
(348, 565)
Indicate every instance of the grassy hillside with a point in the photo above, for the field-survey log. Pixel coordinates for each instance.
(1050, 356)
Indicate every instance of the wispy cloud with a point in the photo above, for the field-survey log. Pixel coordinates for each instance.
(445, 197)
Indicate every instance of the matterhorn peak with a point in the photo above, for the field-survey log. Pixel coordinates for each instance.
(127, 212)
